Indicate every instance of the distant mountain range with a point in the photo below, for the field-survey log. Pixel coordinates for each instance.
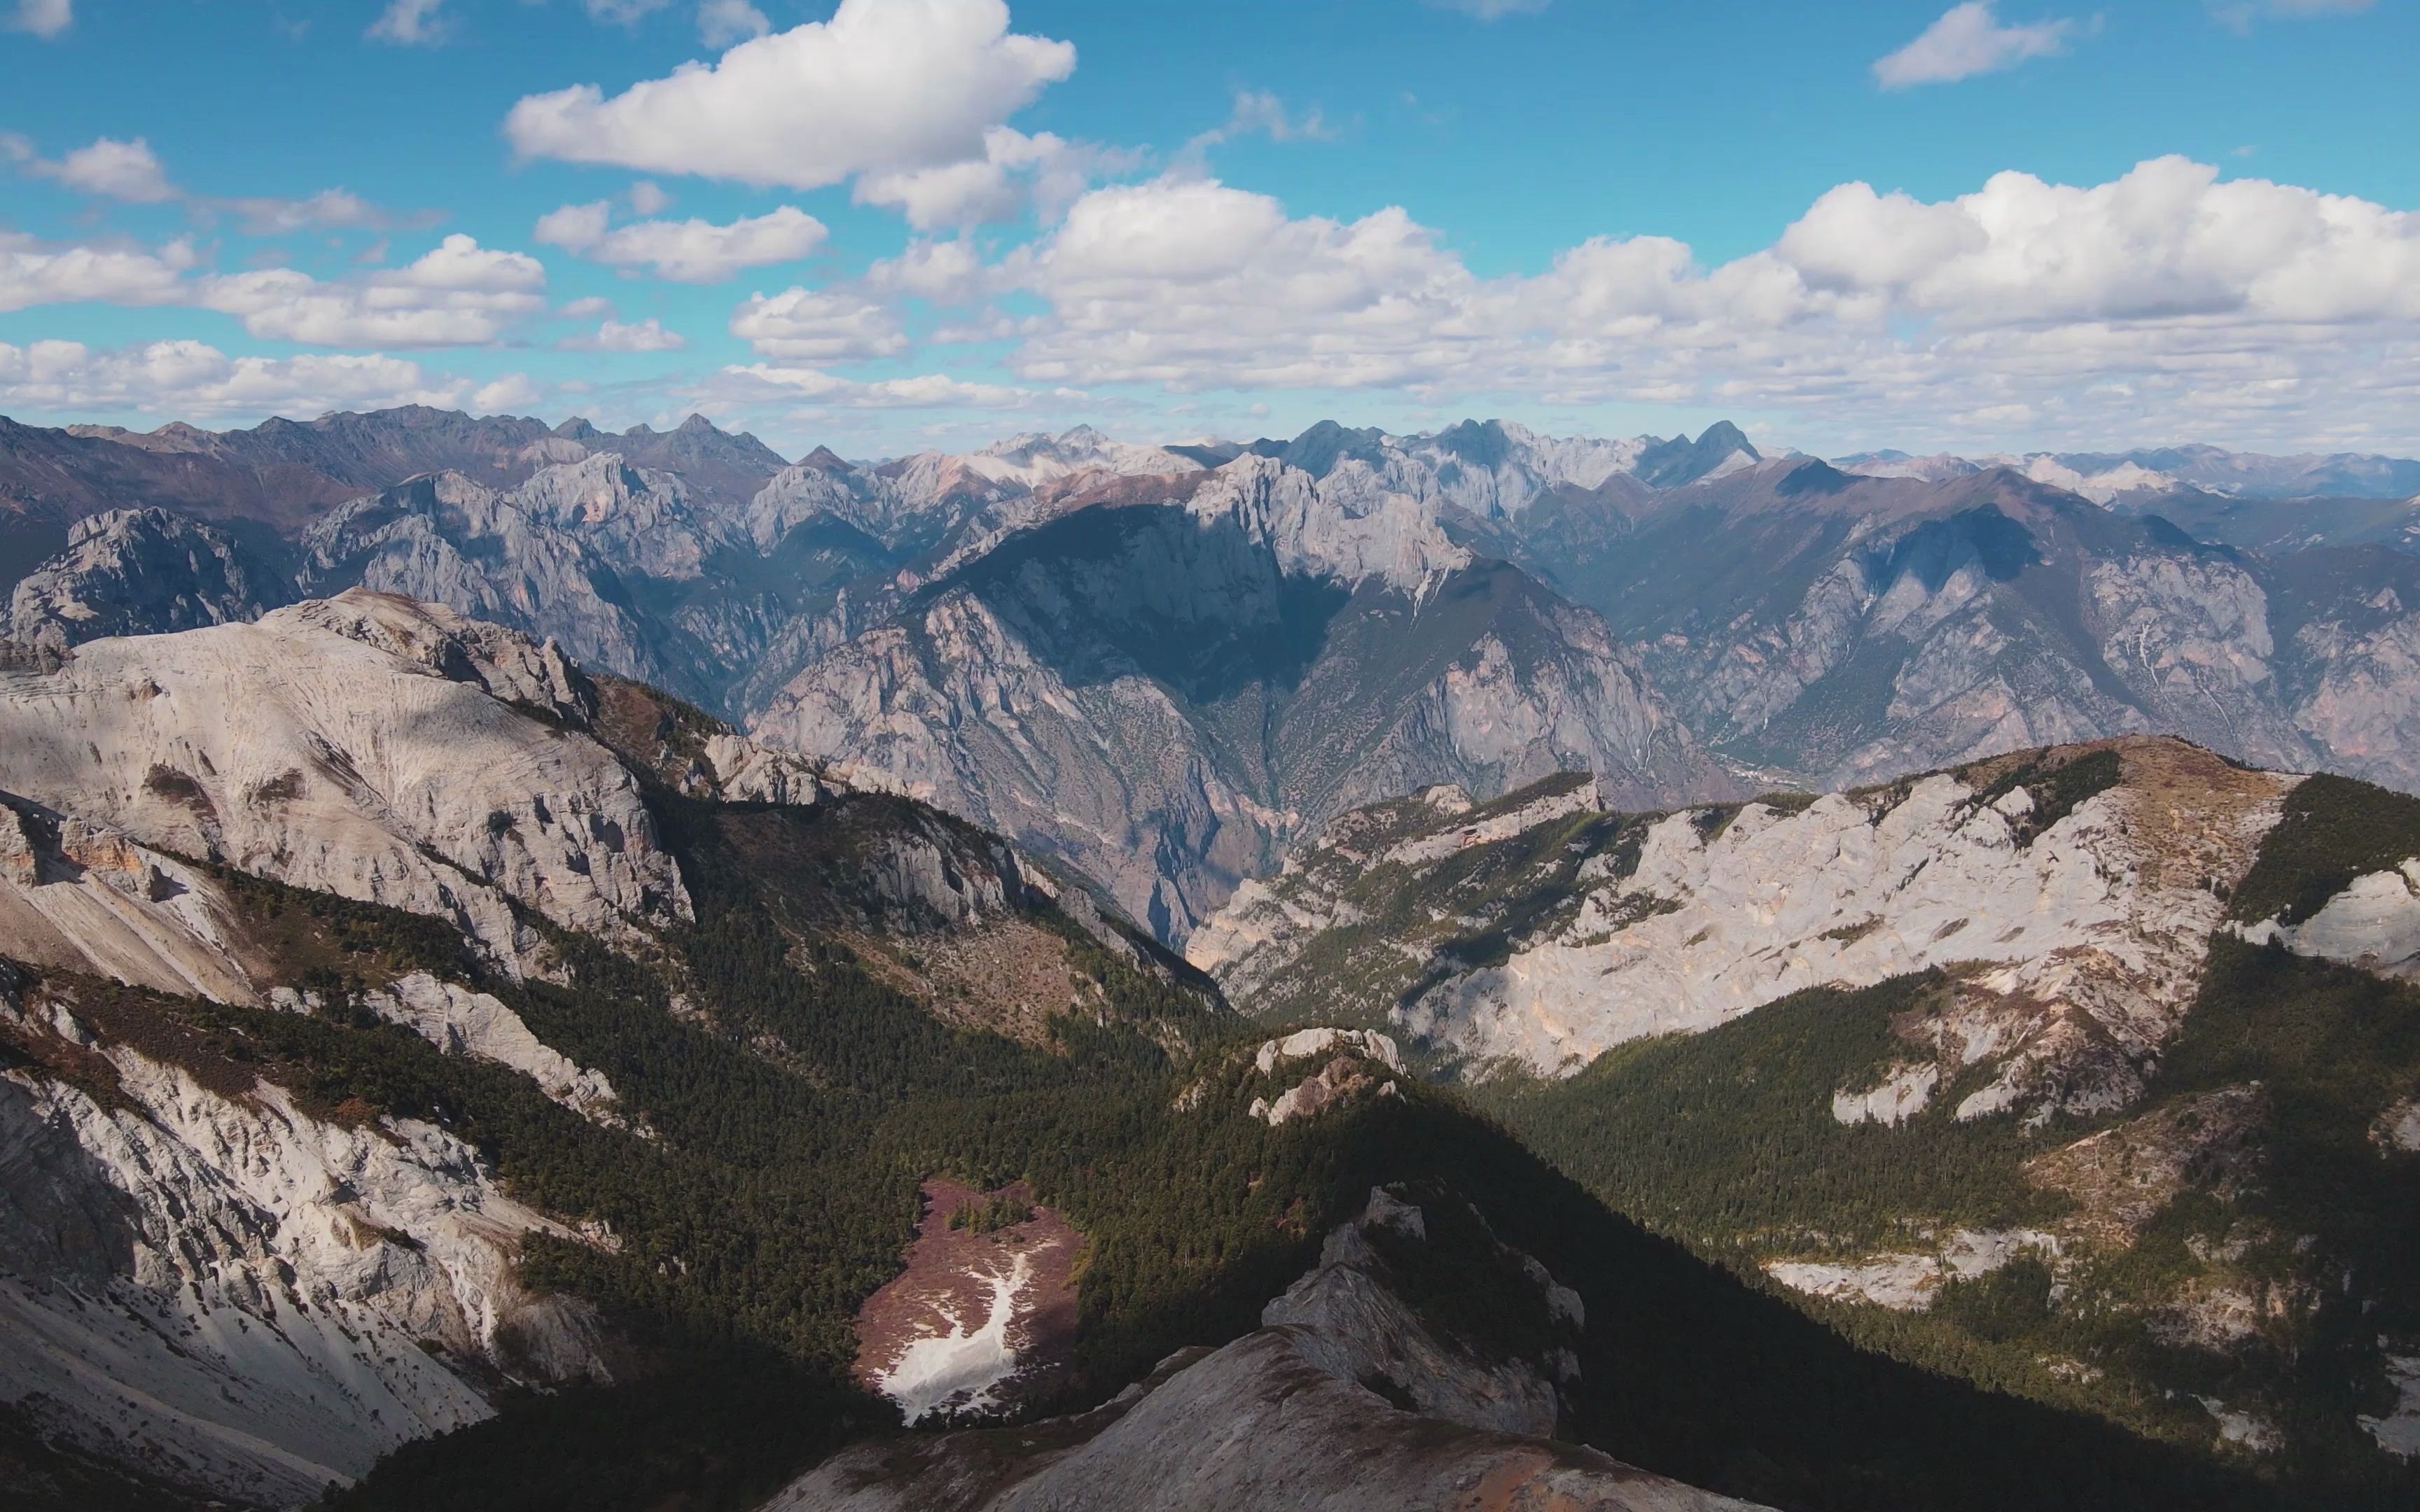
(1164, 665)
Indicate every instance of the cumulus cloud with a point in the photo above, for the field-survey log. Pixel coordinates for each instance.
(817, 325)
(646, 336)
(33, 272)
(114, 170)
(409, 23)
(191, 379)
(1967, 40)
(2184, 298)
(687, 252)
(1016, 171)
(884, 86)
(458, 294)
(649, 197)
(43, 18)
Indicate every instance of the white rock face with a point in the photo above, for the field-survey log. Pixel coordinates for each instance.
(1348, 1073)
(1348, 527)
(2374, 924)
(2398, 1126)
(461, 1022)
(317, 748)
(2093, 933)
(1908, 1283)
(269, 1299)
(2399, 1431)
(1315, 1042)
(85, 897)
(746, 772)
(2244, 1428)
(1903, 1094)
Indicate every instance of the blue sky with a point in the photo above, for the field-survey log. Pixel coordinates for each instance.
(936, 221)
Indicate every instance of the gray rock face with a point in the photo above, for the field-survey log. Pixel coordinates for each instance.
(617, 562)
(139, 572)
(1165, 694)
(1844, 628)
(1291, 1416)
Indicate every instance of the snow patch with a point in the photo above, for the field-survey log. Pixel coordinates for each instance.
(960, 1370)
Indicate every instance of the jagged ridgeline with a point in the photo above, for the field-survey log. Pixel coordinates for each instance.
(2087, 1074)
(432, 1065)
(1165, 665)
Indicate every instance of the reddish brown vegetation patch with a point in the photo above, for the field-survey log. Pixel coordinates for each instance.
(948, 1284)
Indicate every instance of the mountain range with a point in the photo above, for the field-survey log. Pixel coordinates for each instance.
(1164, 666)
(433, 1072)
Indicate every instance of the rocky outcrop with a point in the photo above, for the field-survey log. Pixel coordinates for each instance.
(2071, 896)
(462, 1022)
(304, 749)
(139, 572)
(1346, 1398)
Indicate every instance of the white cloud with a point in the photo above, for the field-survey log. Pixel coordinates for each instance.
(328, 209)
(2180, 300)
(1046, 171)
(114, 170)
(688, 251)
(722, 23)
(512, 392)
(884, 86)
(759, 381)
(817, 325)
(458, 294)
(36, 272)
(409, 23)
(131, 172)
(188, 380)
(1967, 40)
(647, 335)
(649, 197)
(946, 272)
(43, 18)
(583, 308)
